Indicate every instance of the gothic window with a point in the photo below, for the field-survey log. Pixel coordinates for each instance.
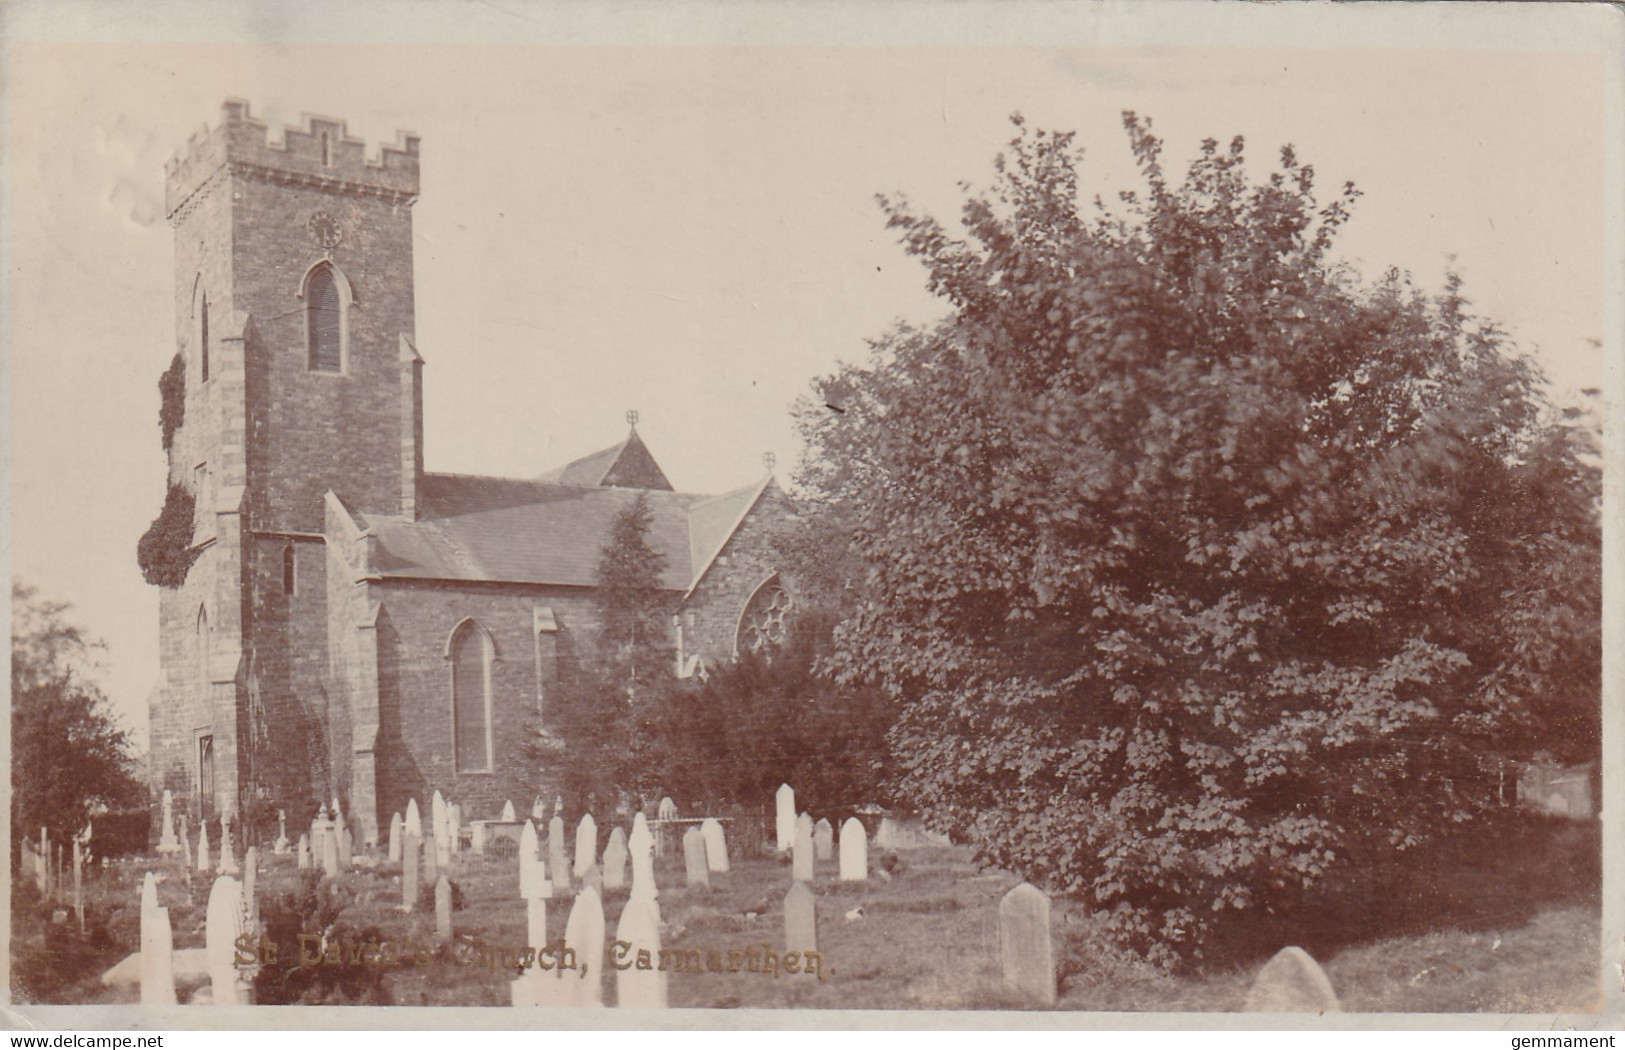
(471, 655)
(765, 620)
(203, 337)
(547, 659)
(288, 569)
(205, 770)
(324, 319)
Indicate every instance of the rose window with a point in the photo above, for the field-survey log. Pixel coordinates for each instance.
(764, 621)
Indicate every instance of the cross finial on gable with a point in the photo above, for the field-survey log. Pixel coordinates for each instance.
(768, 461)
(632, 418)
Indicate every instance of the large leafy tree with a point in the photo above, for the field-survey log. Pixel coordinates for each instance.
(69, 758)
(1199, 567)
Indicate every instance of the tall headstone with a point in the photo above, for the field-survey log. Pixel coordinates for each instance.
(637, 989)
(437, 821)
(442, 910)
(409, 871)
(1024, 941)
(281, 843)
(330, 854)
(615, 860)
(800, 919)
(507, 812)
(185, 835)
(395, 828)
(304, 852)
(716, 844)
(454, 828)
(533, 881)
(642, 848)
(167, 842)
(203, 864)
(413, 821)
(586, 844)
(784, 817)
(557, 865)
(823, 839)
(223, 924)
(801, 857)
(1291, 983)
(157, 948)
(228, 854)
(698, 872)
(431, 862)
(584, 931)
(854, 851)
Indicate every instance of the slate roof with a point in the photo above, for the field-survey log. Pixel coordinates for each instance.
(540, 531)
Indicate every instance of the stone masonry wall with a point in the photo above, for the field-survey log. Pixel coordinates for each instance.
(710, 617)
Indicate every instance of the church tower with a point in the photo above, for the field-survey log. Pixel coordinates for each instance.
(294, 320)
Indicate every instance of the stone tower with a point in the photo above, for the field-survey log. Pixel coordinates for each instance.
(294, 317)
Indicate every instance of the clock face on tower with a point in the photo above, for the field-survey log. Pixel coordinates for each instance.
(324, 230)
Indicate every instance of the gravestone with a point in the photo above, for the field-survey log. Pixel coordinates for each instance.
(1292, 983)
(586, 844)
(454, 828)
(437, 820)
(615, 860)
(223, 924)
(442, 910)
(800, 919)
(584, 931)
(854, 851)
(784, 817)
(413, 821)
(228, 855)
(533, 881)
(694, 859)
(641, 848)
(157, 948)
(557, 865)
(395, 830)
(667, 810)
(538, 811)
(185, 835)
(594, 877)
(823, 839)
(801, 854)
(507, 812)
(1025, 951)
(431, 861)
(716, 844)
(346, 849)
(304, 852)
(167, 842)
(281, 843)
(330, 855)
(637, 989)
(251, 875)
(203, 864)
(409, 871)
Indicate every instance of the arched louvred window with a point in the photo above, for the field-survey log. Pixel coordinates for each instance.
(324, 321)
(765, 622)
(203, 337)
(471, 656)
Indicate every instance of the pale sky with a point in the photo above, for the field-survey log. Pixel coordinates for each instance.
(607, 223)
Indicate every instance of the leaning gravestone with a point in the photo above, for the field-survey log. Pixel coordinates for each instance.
(586, 844)
(224, 923)
(157, 948)
(823, 839)
(694, 859)
(556, 863)
(1024, 941)
(615, 860)
(716, 844)
(409, 871)
(854, 851)
(396, 826)
(801, 855)
(637, 989)
(584, 931)
(800, 919)
(784, 816)
(1292, 983)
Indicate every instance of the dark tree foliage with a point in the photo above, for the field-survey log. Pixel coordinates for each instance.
(165, 552)
(1201, 570)
(172, 399)
(69, 760)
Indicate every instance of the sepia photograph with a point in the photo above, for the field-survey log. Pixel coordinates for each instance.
(741, 514)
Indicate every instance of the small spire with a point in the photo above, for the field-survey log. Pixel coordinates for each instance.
(769, 460)
(632, 418)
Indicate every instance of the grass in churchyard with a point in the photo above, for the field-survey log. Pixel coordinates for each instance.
(1502, 924)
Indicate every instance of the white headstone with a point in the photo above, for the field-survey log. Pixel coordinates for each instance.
(538, 811)
(1292, 982)
(507, 812)
(823, 839)
(167, 842)
(586, 844)
(281, 843)
(557, 865)
(533, 881)
(157, 948)
(437, 818)
(304, 852)
(641, 846)
(184, 834)
(615, 860)
(228, 855)
(640, 989)
(396, 829)
(716, 844)
(801, 859)
(800, 919)
(784, 816)
(442, 910)
(695, 867)
(454, 827)
(410, 870)
(413, 822)
(203, 847)
(223, 924)
(584, 931)
(854, 851)
(330, 854)
(1024, 940)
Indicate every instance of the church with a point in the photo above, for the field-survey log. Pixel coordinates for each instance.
(352, 625)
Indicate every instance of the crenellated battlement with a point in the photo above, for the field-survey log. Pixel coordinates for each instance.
(320, 154)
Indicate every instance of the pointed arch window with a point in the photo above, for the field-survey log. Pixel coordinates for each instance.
(765, 621)
(327, 302)
(471, 653)
(203, 337)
